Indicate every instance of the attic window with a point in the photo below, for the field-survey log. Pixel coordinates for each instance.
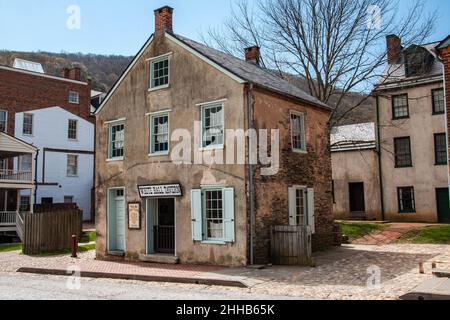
(418, 61)
(74, 97)
(159, 73)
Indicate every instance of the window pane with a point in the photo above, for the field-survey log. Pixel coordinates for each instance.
(298, 132)
(3, 120)
(160, 73)
(406, 200)
(438, 101)
(213, 214)
(440, 147)
(117, 139)
(300, 207)
(72, 165)
(73, 97)
(403, 152)
(212, 126)
(400, 106)
(72, 131)
(27, 124)
(159, 134)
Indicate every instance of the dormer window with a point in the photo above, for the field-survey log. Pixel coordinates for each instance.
(418, 61)
(160, 72)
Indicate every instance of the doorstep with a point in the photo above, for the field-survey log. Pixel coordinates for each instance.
(159, 258)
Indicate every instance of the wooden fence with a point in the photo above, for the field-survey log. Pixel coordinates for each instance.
(291, 245)
(51, 232)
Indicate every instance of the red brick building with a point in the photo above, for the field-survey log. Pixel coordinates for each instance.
(23, 90)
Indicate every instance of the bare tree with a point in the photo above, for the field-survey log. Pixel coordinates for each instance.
(337, 47)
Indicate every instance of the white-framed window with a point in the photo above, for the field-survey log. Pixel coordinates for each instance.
(213, 126)
(213, 215)
(301, 207)
(159, 134)
(3, 121)
(116, 141)
(74, 97)
(72, 129)
(72, 165)
(298, 131)
(25, 202)
(25, 163)
(160, 72)
(27, 128)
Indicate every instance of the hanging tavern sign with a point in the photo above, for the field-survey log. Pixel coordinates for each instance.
(158, 191)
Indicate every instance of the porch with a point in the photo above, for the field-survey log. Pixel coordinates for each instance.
(17, 167)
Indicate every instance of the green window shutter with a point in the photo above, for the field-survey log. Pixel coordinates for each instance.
(196, 210)
(292, 207)
(311, 211)
(228, 218)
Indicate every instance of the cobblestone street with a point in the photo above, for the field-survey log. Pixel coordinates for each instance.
(341, 273)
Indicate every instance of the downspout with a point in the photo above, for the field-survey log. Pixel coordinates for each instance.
(35, 176)
(250, 171)
(380, 173)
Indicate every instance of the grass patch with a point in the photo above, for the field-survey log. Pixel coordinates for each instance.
(10, 247)
(89, 236)
(355, 230)
(427, 235)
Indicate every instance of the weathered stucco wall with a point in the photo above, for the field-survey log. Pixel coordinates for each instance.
(351, 167)
(192, 81)
(424, 175)
(312, 169)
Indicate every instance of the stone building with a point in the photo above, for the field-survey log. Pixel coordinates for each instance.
(157, 202)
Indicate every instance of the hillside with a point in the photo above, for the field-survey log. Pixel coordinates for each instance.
(103, 70)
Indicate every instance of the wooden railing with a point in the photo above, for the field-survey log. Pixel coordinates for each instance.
(164, 239)
(20, 224)
(14, 175)
(8, 218)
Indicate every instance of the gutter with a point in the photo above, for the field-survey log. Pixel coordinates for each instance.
(250, 172)
(380, 173)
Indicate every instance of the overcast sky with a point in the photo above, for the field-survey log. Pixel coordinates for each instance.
(118, 26)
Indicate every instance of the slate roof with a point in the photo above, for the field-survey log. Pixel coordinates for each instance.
(251, 73)
(353, 137)
(396, 72)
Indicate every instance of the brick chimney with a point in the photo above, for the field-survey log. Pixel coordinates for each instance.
(71, 73)
(65, 72)
(394, 48)
(253, 55)
(75, 73)
(163, 19)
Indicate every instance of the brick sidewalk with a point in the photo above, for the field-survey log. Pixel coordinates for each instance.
(208, 275)
(388, 235)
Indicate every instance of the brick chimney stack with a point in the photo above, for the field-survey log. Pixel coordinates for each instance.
(75, 73)
(71, 73)
(163, 19)
(394, 48)
(253, 55)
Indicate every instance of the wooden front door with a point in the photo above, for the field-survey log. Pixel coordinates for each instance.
(357, 199)
(443, 205)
